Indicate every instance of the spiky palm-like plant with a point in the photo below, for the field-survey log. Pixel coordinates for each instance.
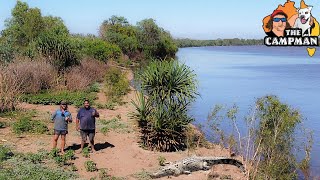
(170, 87)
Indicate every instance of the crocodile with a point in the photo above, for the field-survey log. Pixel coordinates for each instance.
(194, 163)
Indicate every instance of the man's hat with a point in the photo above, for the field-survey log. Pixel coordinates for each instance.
(275, 12)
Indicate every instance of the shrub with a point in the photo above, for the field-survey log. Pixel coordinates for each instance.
(27, 125)
(76, 80)
(170, 87)
(46, 98)
(34, 76)
(90, 166)
(81, 77)
(102, 50)
(161, 160)
(7, 52)
(62, 159)
(117, 82)
(4, 153)
(85, 152)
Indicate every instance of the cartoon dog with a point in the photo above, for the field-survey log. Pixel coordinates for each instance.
(304, 18)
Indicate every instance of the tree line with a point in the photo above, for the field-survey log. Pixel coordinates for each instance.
(218, 42)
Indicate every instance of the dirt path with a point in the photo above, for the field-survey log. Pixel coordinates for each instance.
(119, 153)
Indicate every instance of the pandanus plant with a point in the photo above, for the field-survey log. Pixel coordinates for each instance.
(167, 89)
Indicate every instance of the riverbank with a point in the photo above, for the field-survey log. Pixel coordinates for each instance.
(118, 151)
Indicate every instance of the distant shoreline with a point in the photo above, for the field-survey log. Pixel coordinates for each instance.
(218, 42)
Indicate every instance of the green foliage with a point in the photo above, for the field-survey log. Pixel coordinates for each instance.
(109, 105)
(25, 24)
(114, 124)
(155, 41)
(29, 166)
(90, 166)
(95, 87)
(270, 143)
(142, 175)
(102, 50)
(163, 117)
(117, 83)
(46, 98)
(86, 152)
(275, 137)
(161, 160)
(218, 42)
(17, 168)
(7, 52)
(118, 31)
(62, 159)
(4, 153)
(58, 48)
(27, 125)
(2, 124)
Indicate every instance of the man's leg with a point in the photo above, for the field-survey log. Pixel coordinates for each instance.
(83, 135)
(55, 140)
(91, 139)
(63, 142)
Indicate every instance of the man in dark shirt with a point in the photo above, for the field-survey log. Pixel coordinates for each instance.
(87, 119)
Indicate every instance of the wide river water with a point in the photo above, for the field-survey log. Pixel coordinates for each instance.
(241, 74)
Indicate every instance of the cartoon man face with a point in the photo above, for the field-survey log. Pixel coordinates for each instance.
(304, 14)
(279, 22)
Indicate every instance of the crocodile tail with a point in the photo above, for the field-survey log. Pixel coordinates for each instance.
(226, 160)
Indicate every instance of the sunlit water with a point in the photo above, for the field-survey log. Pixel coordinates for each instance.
(229, 75)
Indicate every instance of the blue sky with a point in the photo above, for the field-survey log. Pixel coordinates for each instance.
(197, 19)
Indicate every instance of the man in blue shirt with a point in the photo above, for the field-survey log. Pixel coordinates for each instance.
(87, 119)
(61, 117)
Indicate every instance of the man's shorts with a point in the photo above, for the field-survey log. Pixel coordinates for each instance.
(60, 132)
(84, 133)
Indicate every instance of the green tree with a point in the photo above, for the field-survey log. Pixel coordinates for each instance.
(117, 30)
(155, 41)
(24, 25)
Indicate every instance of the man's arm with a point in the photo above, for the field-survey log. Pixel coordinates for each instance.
(53, 115)
(96, 113)
(77, 124)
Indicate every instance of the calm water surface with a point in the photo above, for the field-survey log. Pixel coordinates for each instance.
(229, 75)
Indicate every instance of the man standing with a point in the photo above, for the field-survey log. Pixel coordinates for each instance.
(87, 118)
(61, 117)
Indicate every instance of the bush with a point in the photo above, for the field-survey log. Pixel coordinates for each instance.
(117, 82)
(54, 98)
(4, 153)
(27, 125)
(102, 50)
(90, 166)
(161, 160)
(85, 152)
(89, 72)
(7, 52)
(34, 76)
(163, 118)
